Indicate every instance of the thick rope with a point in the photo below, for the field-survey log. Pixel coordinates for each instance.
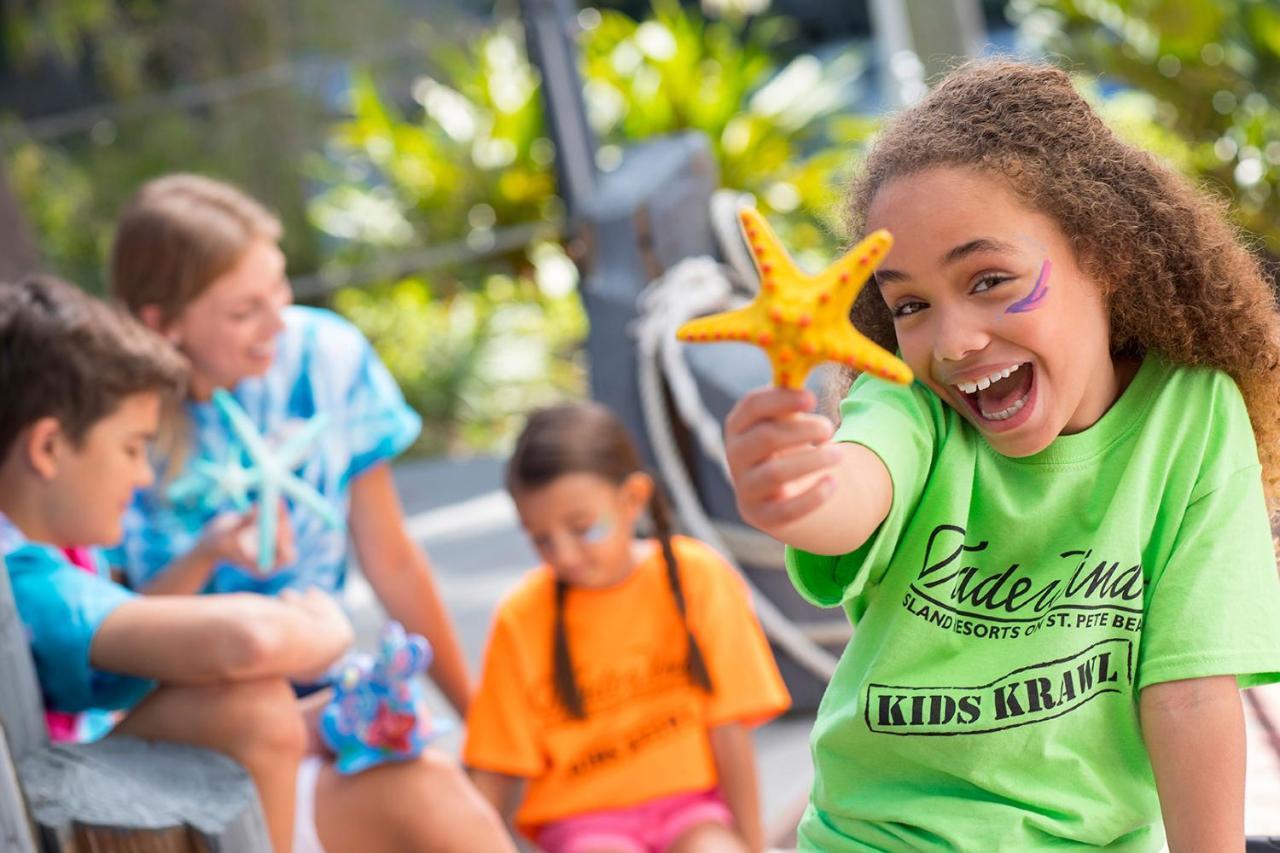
(694, 287)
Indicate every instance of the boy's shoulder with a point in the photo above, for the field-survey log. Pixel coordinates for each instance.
(37, 559)
(11, 537)
(54, 595)
(27, 557)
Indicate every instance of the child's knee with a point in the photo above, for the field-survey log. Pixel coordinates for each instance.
(708, 838)
(433, 771)
(435, 777)
(264, 715)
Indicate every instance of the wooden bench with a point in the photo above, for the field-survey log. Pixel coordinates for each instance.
(115, 795)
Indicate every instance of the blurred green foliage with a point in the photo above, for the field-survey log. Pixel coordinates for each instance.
(780, 133)
(469, 157)
(72, 190)
(236, 91)
(471, 363)
(1210, 71)
(458, 156)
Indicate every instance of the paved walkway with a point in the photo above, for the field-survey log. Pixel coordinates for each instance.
(458, 512)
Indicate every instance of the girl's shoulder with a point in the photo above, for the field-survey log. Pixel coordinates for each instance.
(1208, 392)
(1196, 416)
(318, 332)
(698, 553)
(1201, 380)
(531, 602)
(322, 350)
(702, 566)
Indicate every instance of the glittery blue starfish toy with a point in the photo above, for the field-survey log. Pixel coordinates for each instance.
(379, 712)
(269, 474)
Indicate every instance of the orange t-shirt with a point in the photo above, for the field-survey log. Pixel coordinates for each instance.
(646, 731)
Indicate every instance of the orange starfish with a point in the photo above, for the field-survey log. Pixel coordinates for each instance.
(799, 320)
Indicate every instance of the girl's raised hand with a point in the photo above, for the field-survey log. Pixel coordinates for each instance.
(780, 455)
(233, 538)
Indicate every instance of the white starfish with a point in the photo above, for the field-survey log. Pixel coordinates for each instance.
(271, 470)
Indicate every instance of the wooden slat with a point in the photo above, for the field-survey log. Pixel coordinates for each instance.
(124, 794)
(20, 706)
(15, 826)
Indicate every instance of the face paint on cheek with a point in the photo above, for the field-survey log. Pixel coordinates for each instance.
(599, 531)
(1032, 300)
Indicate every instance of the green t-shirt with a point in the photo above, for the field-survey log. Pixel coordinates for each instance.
(1009, 611)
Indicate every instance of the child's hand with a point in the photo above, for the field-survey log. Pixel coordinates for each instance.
(233, 538)
(778, 452)
(323, 616)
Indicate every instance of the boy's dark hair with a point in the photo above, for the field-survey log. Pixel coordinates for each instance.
(587, 438)
(67, 355)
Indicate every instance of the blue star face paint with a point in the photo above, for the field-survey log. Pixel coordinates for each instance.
(1033, 300)
(599, 531)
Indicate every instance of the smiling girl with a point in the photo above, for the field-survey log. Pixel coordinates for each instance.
(1055, 543)
(198, 261)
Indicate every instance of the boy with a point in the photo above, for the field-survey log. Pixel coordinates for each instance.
(83, 387)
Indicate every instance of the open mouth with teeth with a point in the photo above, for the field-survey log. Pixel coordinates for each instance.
(999, 397)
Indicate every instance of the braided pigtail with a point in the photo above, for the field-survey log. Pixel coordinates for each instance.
(566, 685)
(696, 664)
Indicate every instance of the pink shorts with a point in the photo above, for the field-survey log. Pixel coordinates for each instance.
(650, 827)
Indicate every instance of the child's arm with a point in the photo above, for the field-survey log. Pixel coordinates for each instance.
(794, 484)
(193, 640)
(735, 759)
(227, 538)
(399, 573)
(1194, 732)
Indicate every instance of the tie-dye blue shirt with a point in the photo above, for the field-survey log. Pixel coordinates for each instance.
(325, 366)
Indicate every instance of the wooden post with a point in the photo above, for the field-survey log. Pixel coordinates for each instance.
(15, 825)
(21, 710)
(120, 794)
(123, 794)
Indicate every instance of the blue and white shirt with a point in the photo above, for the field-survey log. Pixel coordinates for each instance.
(323, 365)
(61, 607)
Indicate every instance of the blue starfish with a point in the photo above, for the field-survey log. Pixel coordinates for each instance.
(271, 470)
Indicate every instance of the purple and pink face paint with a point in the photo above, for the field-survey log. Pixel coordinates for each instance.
(1039, 291)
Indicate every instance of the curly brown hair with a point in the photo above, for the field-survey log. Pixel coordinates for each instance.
(1176, 275)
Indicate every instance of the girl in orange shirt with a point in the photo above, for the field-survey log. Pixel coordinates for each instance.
(623, 675)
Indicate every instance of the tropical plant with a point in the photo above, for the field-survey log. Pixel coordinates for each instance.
(469, 158)
(780, 133)
(472, 362)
